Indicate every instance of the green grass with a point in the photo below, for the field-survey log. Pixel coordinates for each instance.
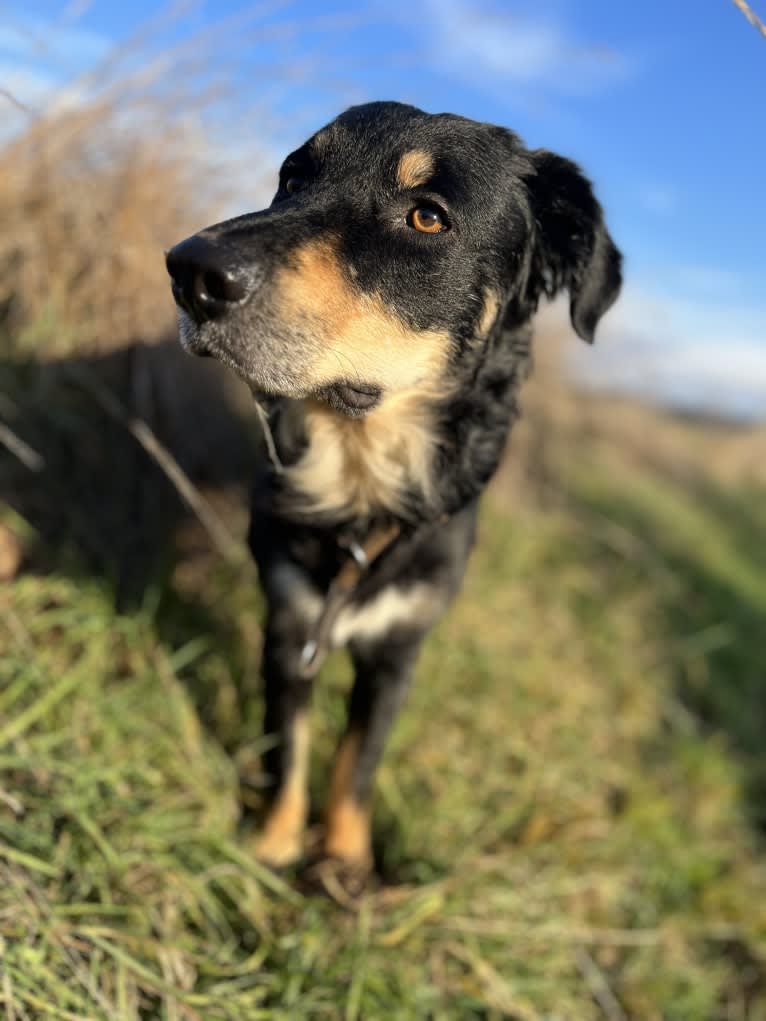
(569, 817)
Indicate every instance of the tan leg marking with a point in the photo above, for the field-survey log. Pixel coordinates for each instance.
(11, 554)
(348, 821)
(281, 841)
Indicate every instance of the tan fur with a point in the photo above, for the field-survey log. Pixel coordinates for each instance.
(416, 168)
(361, 464)
(282, 837)
(11, 554)
(366, 463)
(489, 312)
(355, 336)
(348, 822)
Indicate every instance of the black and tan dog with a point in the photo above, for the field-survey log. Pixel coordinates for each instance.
(380, 308)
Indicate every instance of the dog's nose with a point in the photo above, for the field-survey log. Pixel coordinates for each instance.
(207, 281)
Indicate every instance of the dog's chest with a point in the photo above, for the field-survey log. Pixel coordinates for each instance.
(413, 606)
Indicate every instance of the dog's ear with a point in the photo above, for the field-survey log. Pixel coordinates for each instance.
(571, 248)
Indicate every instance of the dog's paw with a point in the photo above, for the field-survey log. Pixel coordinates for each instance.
(348, 835)
(339, 879)
(280, 842)
(278, 850)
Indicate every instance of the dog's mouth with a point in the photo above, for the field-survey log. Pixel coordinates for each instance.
(351, 398)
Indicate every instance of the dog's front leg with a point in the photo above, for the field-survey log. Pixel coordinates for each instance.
(383, 671)
(287, 696)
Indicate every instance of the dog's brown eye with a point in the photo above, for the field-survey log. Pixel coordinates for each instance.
(427, 220)
(293, 184)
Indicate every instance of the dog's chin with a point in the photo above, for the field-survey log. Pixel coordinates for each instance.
(191, 335)
(352, 399)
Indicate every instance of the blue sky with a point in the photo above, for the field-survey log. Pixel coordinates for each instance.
(661, 103)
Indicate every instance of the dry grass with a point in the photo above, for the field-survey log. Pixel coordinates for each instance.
(559, 421)
(88, 200)
(117, 166)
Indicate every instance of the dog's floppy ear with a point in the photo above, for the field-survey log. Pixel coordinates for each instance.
(572, 249)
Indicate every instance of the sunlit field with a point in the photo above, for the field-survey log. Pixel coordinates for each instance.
(570, 816)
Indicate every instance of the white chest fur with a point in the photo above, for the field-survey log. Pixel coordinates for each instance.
(417, 605)
(365, 464)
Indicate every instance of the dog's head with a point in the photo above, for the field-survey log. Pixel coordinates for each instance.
(397, 242)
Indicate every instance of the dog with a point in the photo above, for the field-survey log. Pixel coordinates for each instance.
(380, 311)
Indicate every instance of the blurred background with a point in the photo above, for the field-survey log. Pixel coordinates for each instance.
(572, 811)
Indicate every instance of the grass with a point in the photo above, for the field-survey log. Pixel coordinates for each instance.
(569, 819)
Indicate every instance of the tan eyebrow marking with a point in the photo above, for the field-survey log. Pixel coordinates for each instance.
(415, 168)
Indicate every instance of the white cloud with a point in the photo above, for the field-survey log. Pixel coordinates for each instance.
(23, 90)
(37, 62)
(527, 51)
(694, 354)
(28, 85)
(711, 280)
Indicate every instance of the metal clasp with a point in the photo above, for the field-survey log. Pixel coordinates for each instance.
(357, 552)
(308, 653)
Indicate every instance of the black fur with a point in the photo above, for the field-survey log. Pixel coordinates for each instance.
(522, 225)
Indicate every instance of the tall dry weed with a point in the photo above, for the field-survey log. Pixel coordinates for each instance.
(118, 166)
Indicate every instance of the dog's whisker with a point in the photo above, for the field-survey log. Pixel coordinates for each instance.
(268, 437)
(340, 355)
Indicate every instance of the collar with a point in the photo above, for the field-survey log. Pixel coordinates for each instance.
(359, 558)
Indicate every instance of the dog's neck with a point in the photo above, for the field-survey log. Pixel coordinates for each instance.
(381, 463)
(416, 456)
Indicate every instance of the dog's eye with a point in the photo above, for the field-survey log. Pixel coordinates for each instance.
(427, 220)
(293, 184)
